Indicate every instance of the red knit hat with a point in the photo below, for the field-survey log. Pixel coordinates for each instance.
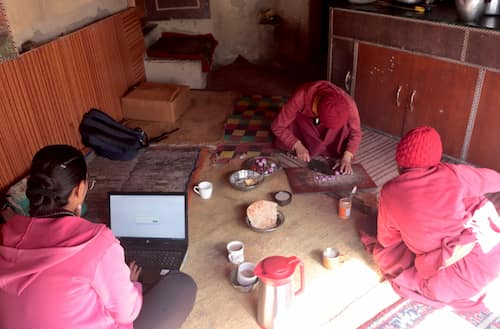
(420, 147)
(333, 110)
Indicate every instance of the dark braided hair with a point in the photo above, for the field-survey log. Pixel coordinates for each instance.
(55, 171)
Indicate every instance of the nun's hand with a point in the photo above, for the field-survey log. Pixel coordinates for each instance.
(302, 151)
(135, 271)
(344, 165)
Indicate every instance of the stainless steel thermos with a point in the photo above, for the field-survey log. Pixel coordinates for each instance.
(276, 291)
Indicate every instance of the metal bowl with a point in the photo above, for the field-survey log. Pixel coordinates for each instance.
(279, 221)
(282, 197)
(263, 165)
(245, 180)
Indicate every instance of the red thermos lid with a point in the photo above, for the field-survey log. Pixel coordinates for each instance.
(276, 267)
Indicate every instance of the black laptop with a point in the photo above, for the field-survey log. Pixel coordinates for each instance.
(152, 227)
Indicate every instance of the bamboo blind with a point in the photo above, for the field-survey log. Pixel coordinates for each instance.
(45, 92)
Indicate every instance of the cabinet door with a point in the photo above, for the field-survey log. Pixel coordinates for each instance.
(441, 96)
(382, 87)
(341, 62)
(485, 141)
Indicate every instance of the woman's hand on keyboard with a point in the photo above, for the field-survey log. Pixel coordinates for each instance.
(135, 271)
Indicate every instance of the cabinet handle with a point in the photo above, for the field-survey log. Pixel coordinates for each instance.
(412, 97)
(397, 95)
(347, 80)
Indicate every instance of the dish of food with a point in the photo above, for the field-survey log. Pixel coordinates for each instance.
(280, 219)
(263, 165)
(245, 180)
(264, 216)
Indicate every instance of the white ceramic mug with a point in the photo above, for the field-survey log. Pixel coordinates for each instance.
(236, 252)
(246, 275)
(204, 189)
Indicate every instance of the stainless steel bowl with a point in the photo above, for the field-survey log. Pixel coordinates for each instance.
(409, 2)
(492, 7)
(263, 165)
(469, 10)
(245, 180)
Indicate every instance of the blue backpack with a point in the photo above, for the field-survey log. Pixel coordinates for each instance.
(109, 138)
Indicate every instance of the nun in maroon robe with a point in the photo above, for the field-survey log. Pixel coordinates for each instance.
(438, 236)
(319, 119)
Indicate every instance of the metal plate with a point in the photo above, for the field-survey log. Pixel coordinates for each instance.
(279, 221)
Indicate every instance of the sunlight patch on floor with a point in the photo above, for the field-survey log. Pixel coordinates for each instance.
(330, 292)
(492, 300)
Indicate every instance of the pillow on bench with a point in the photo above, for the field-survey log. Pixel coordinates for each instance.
(18, 201)
(182, 46)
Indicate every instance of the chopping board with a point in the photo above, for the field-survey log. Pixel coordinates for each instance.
(305, 180)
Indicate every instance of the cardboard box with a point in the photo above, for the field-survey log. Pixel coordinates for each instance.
(160, 102)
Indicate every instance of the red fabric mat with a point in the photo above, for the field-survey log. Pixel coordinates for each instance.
(185, 46)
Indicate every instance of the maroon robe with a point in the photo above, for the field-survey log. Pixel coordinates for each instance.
(425, 215)
(295, 122)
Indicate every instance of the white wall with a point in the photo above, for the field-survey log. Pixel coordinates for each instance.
(234, 24)
(43, 20)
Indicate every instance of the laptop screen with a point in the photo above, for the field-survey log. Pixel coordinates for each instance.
(148, 215)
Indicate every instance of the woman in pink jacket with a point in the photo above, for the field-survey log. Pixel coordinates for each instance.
(59, 271)
(319, 119)
(438, 235)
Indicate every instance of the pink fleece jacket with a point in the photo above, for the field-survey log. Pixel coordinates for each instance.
(64, 273)
(425, 215)
(294, 122)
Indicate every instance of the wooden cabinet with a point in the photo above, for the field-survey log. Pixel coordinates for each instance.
(396, 91)
(485, 140)
(443, 93)
(341, 62)
(379, 91)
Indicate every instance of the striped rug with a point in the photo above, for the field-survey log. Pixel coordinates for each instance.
(376, 154)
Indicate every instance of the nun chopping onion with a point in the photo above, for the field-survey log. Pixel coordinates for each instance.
(320, 119)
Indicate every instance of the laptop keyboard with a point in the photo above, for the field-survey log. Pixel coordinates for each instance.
(155, 258)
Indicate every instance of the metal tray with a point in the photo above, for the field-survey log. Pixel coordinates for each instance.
(279, 221)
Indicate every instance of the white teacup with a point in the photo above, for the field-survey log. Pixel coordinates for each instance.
(236, 252)
(204, 189)
(246, 275)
